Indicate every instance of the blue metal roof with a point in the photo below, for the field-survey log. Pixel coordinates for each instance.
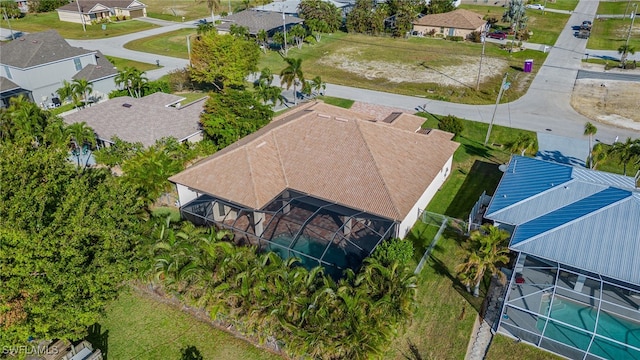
(590, 221)
(524, 178)
(567, 214)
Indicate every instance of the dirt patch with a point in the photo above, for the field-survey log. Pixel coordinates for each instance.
(608, 101)
(462, 74)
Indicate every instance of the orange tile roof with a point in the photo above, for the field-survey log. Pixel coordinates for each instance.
(330, 153)
(459, 19)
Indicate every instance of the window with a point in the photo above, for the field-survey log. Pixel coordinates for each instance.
(441, 30)
(77, 63)
(8, 72)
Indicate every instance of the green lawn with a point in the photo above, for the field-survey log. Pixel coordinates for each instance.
(49, 21)
(343, 103)
(610, 34)
(614, 7)
(562, 4)
(172, 43)
(503, 347)
(121, 63)
(137, 327)
(174, 10)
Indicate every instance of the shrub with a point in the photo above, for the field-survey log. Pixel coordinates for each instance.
(451, 124)
(391, 250)
(455, 38)
(475, 36)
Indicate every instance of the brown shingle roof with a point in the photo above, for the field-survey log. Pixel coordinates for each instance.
(38, 49)
(330, 153)
(459, 19)
(147, 120)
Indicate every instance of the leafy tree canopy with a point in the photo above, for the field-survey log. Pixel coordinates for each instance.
(439, 7)
(223, 60)
(367, 19)
(231, 114)
(320, 16)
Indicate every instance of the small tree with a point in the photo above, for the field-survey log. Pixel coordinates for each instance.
(84, 88)
(590, 130)
(522, 144)
(625, 50)
(291, 75)
(451, 124)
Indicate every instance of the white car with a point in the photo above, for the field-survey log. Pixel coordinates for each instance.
(535, 6)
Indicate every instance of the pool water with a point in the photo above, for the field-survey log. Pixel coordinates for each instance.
(312, 247)
(583, 316)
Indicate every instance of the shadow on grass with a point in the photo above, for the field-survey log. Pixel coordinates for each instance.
(190, 353)
(99, 339)
(483, 176)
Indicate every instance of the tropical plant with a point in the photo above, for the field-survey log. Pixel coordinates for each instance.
(320, 17)
(9, 9)
(81, 136)
(23, 120)
(366, 19)
(484, 251)
(318, 85)
(516, 15)
(292, 75)
(522, 144)
(599, 154)
(298, 33)
(626, 152)
(213, 6)
(263, 40)
(133, 80)
(67, 92)
(84, 88)
(590, 130)
(625, 50)
(239, 31)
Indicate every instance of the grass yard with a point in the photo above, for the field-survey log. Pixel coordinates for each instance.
(343, 103)
(503, 347)
(174, 10)
(49, 21)
(172, 43)
(367, 54)
(121, 63)
(610, 34)
(137, 327)
(562, 4)
(614, 7)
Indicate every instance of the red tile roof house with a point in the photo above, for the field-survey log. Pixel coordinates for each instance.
(459, 22)
(145, 120)
(321, 183)
(97, 10)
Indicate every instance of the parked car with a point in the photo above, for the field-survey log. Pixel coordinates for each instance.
(586, 25)
(535, 6)
(497, 35)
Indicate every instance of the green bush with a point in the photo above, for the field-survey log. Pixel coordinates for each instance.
(455, 38)
(451, 124)
(394, 250)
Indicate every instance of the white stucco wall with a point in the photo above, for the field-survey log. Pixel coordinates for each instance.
(185, 194)
(68, 16)
(102, 88)
(424, 200)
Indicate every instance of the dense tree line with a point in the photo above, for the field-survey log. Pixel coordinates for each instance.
(263, 296)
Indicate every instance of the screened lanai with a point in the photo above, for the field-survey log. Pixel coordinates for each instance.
(572, 312)
(294, 224)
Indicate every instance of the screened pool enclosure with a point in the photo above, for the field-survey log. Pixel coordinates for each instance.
(298, 225)
(572, 312)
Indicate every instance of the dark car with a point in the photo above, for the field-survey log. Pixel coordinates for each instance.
(497, 35)
(586, 25)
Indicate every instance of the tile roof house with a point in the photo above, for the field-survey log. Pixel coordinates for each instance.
(145, 120)
(459, 22)
(96, 10)
(331, 157)
(39, 63)
(257, 20)
(577, 235)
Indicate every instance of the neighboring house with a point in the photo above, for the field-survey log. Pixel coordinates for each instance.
(97, 10)
(321, 183)
(575, 289)
(256, 21)
(290, 7)
(9, 89)
(459, 22)
(39, 63)
(145, 120)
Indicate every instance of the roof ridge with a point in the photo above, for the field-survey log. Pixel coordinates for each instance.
(40, 42)
(284, 173)
(555, 187)
(253, 181)
(375, 164)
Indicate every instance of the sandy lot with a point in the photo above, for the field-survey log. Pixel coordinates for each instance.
(453, 75)
(607, 101)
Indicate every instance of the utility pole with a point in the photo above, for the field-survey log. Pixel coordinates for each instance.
(8, 22)
(84, 27)
(483, 38)
(626, 9)
(626, 44)
(189, 49)
(503, 87)
(229, 7)
(284, 30)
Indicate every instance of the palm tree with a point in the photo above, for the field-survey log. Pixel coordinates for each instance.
(625, 50)
(590, 130)
(84, 88)
(291, 75)
(522, 144)
(133, 80)
(213, 6)
(318, 85)
(626, 151)
(80, 134)
(599, 153)
(67, 92)
(262, 37)
(484, 251)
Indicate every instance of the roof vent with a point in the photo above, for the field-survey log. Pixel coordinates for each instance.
(324, 116)
(392, 117)
(127, 105)
(261, 144)
(341, 119)
(423, 131)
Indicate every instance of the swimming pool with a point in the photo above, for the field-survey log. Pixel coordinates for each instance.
(583, 316)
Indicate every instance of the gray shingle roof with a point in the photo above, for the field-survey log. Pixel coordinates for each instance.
(146, 120)
(6, 84)
(257, 20)
(38, 49)
(96, 72)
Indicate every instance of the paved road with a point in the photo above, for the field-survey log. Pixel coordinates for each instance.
(584, 74)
